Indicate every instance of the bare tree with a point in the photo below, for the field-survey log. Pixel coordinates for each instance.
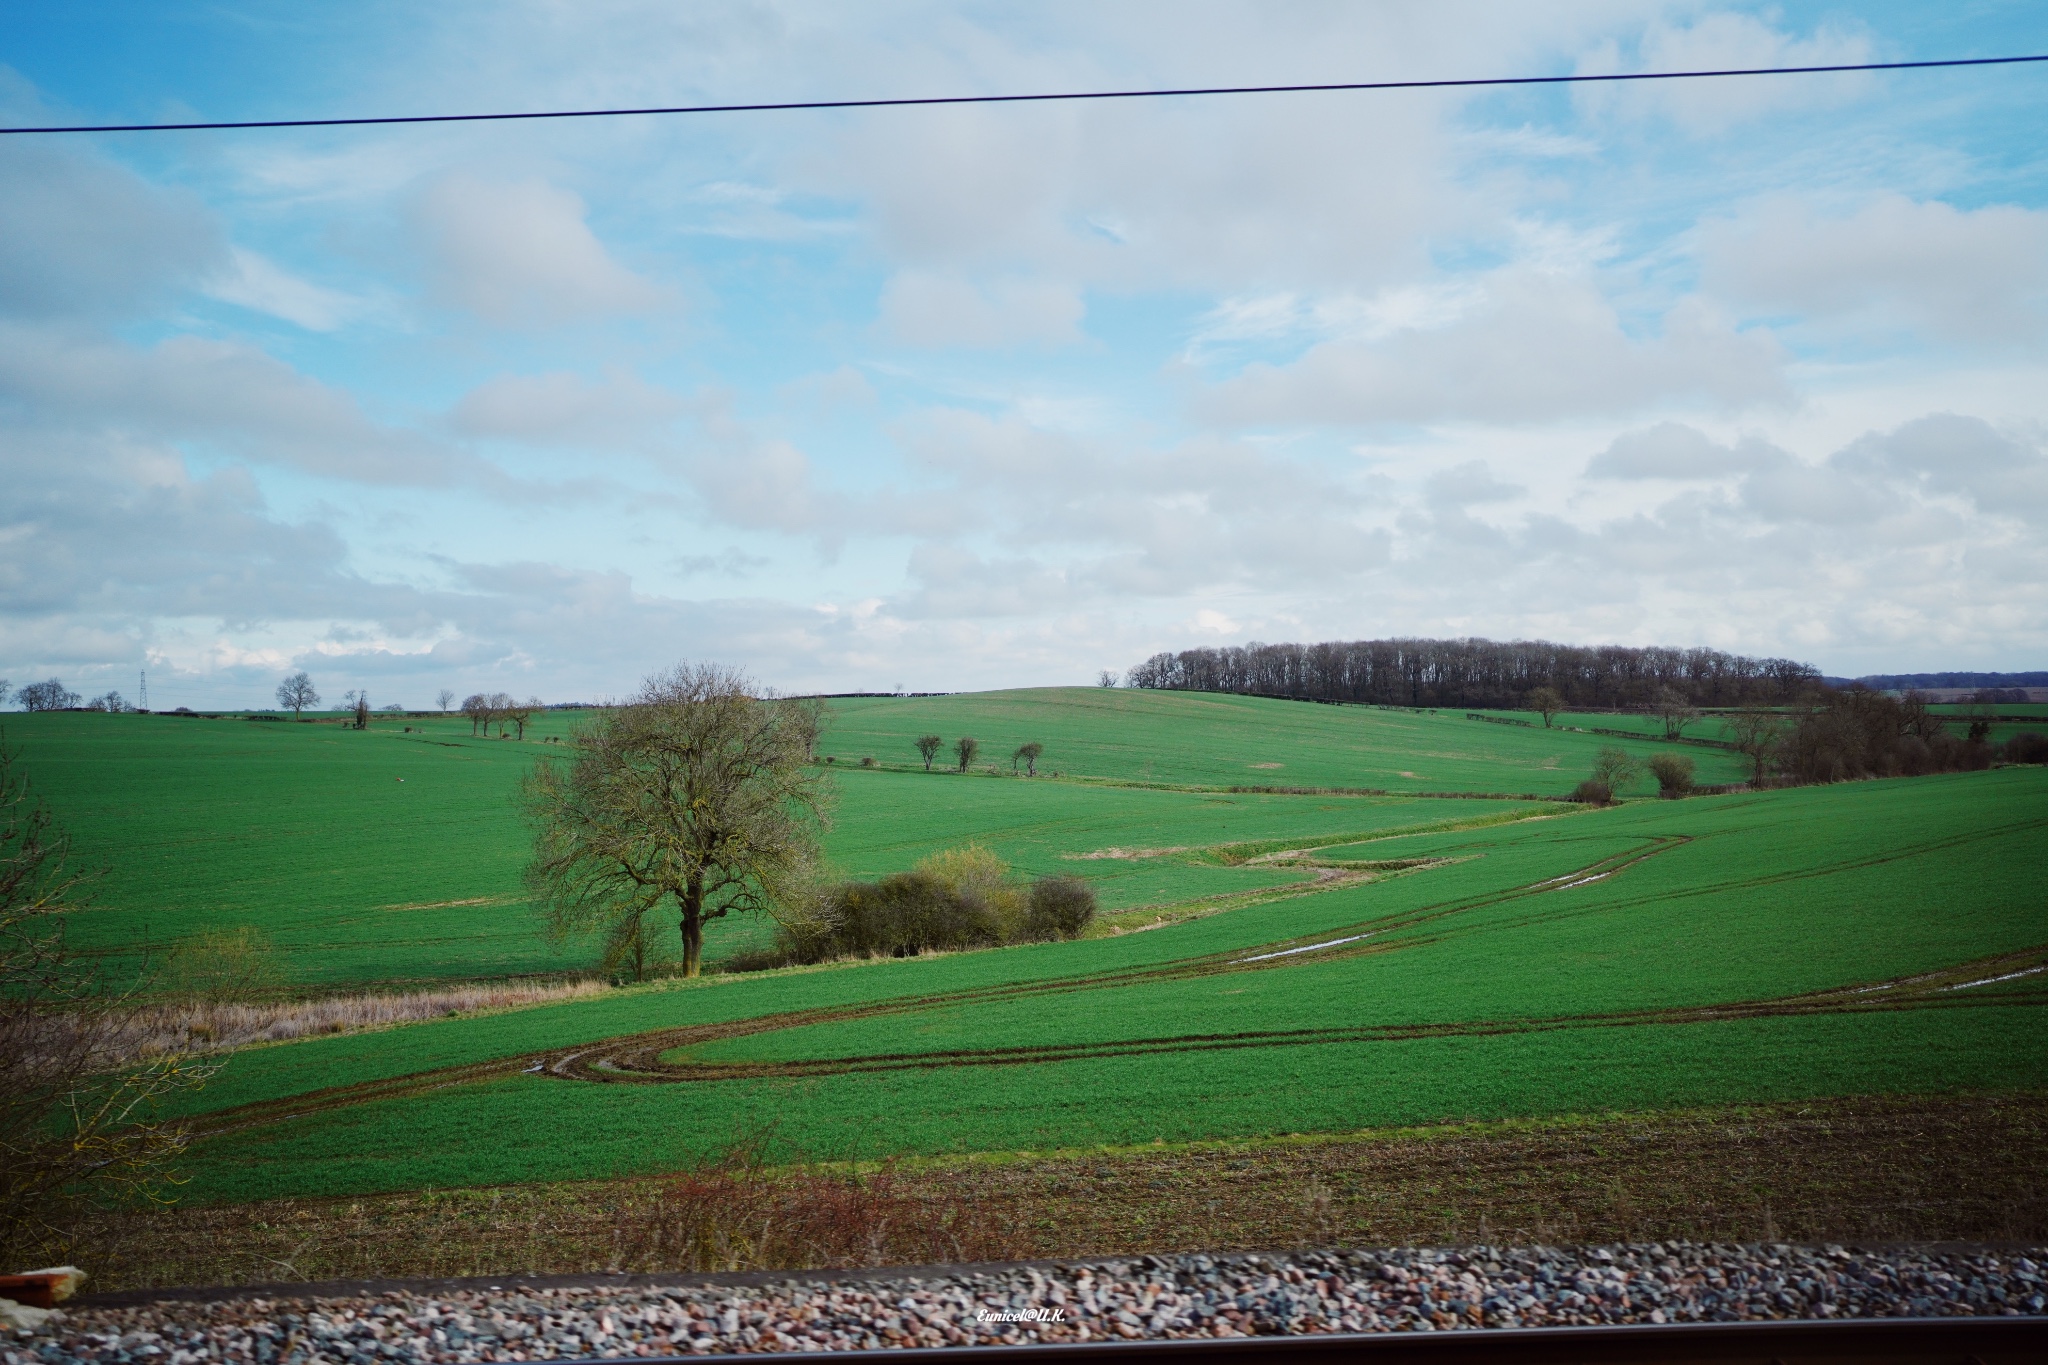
(49, 695)
(964, 749)
(76, 1124)
(296, 693)
(477, 707)
(1028, 753)
(1106, 678)
(1614, 768)
(3, 691)
(1757, 734)
(520, 712)
(1547, 702)
(502, 706)
(444, 699)
(111, 701)
(1676, 710)
(929, 746)
(696, 792)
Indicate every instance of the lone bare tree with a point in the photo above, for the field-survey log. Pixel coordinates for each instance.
(1105, 678)
(1676, 710)
(1614, 768)
(444, 699)
(964, 749)
(1757, 734)
(696, 792)
(1547, 702)
(929, 746)
(296, 693)
(517, 713)
(1028, 755)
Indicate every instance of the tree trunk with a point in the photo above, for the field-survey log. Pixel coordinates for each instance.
(693, 927)
(693, 943)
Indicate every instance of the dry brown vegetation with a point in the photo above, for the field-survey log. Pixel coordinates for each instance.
(199, 1026)
(1869, 1170)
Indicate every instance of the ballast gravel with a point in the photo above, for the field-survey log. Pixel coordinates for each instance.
(1179, 1296)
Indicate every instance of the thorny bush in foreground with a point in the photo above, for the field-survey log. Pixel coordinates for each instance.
(76, 1126)
(733, 1214)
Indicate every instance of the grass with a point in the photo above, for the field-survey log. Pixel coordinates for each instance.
(1217, 740)
(1890, 1169)
(390, 859)
(1471, 1000)
(1308, 961)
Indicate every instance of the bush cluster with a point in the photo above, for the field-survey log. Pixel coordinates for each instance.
(1673, 773)
(962, 898)
(2027, 747)
(1859, 733)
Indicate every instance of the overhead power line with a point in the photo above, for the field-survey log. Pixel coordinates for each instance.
(914, 102)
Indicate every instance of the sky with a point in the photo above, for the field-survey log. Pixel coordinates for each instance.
(972, 397)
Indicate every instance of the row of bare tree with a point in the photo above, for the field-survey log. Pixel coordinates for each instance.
(967, 746)
(499, 709)
(1479, 673)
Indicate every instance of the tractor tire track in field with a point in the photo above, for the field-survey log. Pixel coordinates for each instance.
(643, 1064)
(637, 1057)
(1283, 953)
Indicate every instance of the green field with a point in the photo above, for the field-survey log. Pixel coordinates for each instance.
(393, 857)
(1374, 960)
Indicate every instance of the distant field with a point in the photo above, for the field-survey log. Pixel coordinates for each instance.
(1867, 938)
(386, 857)
(1216, 740)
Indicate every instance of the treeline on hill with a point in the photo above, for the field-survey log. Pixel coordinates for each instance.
(1479, 673)
(958, 899)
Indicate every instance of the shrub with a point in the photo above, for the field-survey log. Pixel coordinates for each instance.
(898, 916)
(737, 1214)
(1673, 773)
(867, 760)
(1061, 907)
(960, 898)
(1593, 792)
(2027, 747)
(1614, 768)
(223, 967)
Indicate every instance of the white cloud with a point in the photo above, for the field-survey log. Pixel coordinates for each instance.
(565, 409)
(1978, 275)
(226, 394)
(1673, 450)
(519, 253)
(1543, 346)
(2002, 473)
(80, 237)
(1723, 40)
(256, 282)
(926, 308)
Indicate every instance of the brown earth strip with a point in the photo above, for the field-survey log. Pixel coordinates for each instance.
(1866, 1169)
